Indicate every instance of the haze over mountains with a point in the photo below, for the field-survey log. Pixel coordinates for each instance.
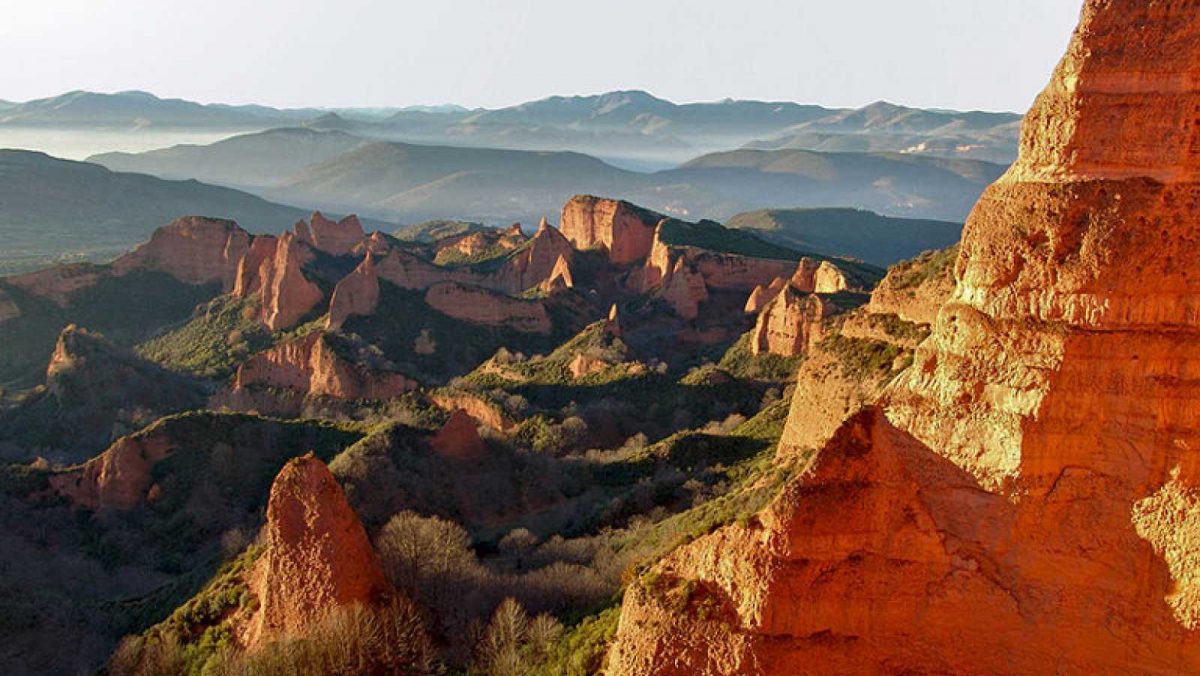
(514, 164)
(631, 127)
(409, 183)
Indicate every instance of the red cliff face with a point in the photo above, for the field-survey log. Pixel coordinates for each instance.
(317, 557)
(536, 264)
(1023, 499)
(336, 238)
(311, 366)
(118, 478)
(790, 324)
(193, 250)
(287, 295)
(481, 306)
(459, 437)
(356, 294)
(624, 230)
(255, 266)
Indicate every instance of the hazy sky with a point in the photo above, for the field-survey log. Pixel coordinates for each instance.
(966, 54)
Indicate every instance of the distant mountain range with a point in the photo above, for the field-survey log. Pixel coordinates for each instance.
(403, 182)
(51, 209)
(632, 128)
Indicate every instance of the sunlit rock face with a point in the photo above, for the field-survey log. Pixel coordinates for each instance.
(1024, 497)
(318, 557)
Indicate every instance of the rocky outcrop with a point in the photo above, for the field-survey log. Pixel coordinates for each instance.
(762, 295)
(536, 264)
(560, 277)
(814, 276)
(313, 366)
(484, 411)
(719, 270)
(480, 306)
(624, 230)
(194, 250)
(317, 558)
(683, 288)
(356, 294)
(790, 324)
(915, 290)
(335, 238)
(1022, 500)
(94, 392)
(254, 266)
(119, 478)
(459, 437)
(286, 294)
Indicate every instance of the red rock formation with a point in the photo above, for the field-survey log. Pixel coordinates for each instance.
(624, 230)
(762, 295)
(255, 266)
(482, 410)
(193, 250)
(119, 478)
(536, 264)
(287, 295)
(480, 306)
(311, 366)
(790, 324)
(407, 271)
(815, 276)
(318, 557)
(684, 290)
(356, 294)
(915, 290)
(335, 238)
(719, 270)
(560, 277)
(1024, 498)
(459, 437)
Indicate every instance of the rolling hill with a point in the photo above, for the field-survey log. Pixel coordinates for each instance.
(867, 236)
(53, 209)
(411, 183)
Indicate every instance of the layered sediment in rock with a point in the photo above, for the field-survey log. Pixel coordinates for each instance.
(1023, 499)
(624, 230)
(480, 306)
(194, 250)
(318, 557)
(312, 366)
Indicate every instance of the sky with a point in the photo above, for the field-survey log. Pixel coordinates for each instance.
(958, 54)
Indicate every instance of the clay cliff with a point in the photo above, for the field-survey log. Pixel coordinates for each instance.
(194, 250)
(356, 294)
(313, 366)
(318, 557)
(791, 324)
(480, 306)
(337, 238)
(1023, 497)
(625, 231)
